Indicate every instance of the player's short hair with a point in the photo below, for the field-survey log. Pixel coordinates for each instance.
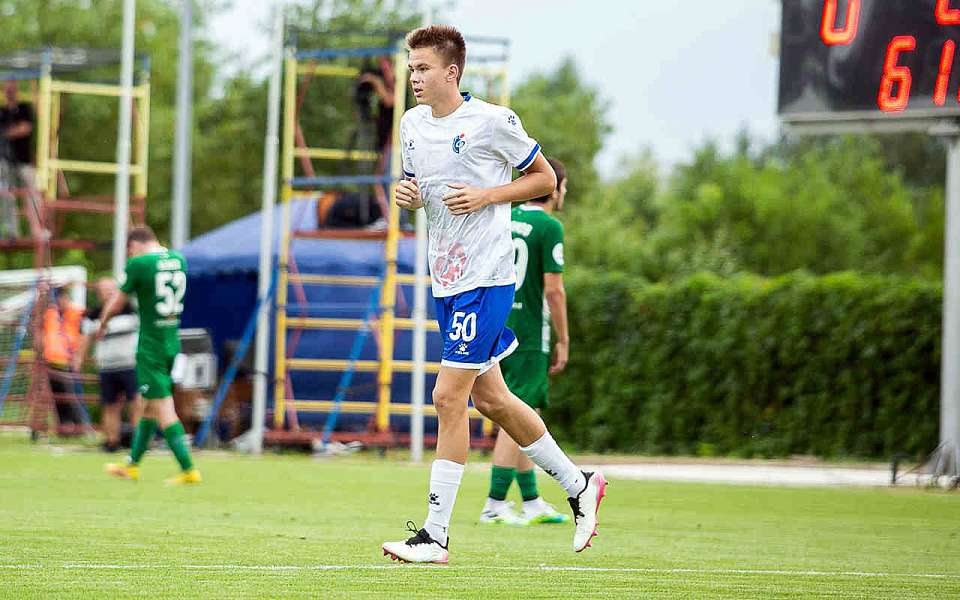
(561, 172)
(142, 234)
(446, 40)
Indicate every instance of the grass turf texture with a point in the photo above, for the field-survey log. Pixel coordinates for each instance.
(296, 527)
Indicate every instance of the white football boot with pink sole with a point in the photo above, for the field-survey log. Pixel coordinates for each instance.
(585, 508)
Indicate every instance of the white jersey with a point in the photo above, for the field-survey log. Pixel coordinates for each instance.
(478, 144)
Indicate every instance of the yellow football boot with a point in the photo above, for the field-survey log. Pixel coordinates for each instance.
(131, 472)
(191, 476)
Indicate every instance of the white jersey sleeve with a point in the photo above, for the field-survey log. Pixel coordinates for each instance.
(406, 151)
(511, 142)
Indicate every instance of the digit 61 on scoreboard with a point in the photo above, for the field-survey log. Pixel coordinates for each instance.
(894, 93)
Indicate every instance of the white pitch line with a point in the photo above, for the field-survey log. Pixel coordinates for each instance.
(541, 568)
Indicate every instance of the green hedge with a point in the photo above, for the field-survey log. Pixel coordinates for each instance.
(843, 365)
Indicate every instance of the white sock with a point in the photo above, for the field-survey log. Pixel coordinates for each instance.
(548, 456)
(445, 478)
(493, 504)
(532, 504)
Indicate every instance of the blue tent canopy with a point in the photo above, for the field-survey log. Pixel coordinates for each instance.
(235, 247)
(223, 267)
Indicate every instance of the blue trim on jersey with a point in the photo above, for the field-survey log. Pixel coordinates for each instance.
(466, 96)
(529, 160)
(408, 173)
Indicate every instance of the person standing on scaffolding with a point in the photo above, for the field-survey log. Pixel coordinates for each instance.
(376, 85)
(16, 130)
(9, 221)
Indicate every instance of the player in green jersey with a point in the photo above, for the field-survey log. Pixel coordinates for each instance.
(538, 300)
(157, 277)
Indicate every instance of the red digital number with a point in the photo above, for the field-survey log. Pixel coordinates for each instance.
(943, 76)
(896, 75)
(947, 15)
(829, 33)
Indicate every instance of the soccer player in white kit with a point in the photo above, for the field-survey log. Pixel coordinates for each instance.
(459, 153)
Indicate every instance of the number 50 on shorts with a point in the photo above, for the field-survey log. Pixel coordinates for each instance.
(464, 326)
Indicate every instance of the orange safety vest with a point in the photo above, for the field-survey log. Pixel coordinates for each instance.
(61, 334)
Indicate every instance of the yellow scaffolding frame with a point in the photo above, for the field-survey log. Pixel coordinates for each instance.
(386, 365)
(48, 103)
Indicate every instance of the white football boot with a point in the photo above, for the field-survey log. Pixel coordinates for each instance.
(539, 511)
(420, 548)
(501, 512)
(585, 507)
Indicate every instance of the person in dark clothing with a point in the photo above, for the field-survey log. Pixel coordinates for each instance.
(116, 361)
(16, 123)
(16, 131)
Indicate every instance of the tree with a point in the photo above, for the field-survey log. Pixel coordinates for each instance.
(230, 114)
(89, 123)
(608, 228)
(832, 207)
(568, 117)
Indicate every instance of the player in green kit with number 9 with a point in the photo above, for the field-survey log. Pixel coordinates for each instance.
(158, 278)
(539, 298)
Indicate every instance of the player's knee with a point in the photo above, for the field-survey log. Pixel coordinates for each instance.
(447, 403)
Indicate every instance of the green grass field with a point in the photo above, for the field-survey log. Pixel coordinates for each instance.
(291, 526)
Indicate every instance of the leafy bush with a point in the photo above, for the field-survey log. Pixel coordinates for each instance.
(840, 365)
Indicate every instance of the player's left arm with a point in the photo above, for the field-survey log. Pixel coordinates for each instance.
(511, 144)
(537, 180)
(557, 301)
(551, 257)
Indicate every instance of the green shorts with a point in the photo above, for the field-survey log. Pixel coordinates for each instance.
(153, 375)
(526, 376)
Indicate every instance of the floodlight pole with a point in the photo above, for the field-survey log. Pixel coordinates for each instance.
(182, 148)
(269, 197)
(121, 213)
(946, 460)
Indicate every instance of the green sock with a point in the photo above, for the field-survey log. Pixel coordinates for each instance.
(176, 439)
(500, 480)
(527, 480)
(146, 428)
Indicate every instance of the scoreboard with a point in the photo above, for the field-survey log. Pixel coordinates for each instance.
(879, 61)
(886, 65)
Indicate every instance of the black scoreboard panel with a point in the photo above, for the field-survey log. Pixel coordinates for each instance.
(869, 59)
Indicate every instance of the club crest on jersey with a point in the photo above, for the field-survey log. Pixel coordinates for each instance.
(459, 142)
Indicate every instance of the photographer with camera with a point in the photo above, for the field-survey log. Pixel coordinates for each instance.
(16, 130)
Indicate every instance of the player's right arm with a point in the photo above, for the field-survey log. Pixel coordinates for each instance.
(408, 191)
(112, 308)
(408, 194)
(557, 301)
(119, 298)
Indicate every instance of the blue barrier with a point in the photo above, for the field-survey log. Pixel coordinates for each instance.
(231, 371)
